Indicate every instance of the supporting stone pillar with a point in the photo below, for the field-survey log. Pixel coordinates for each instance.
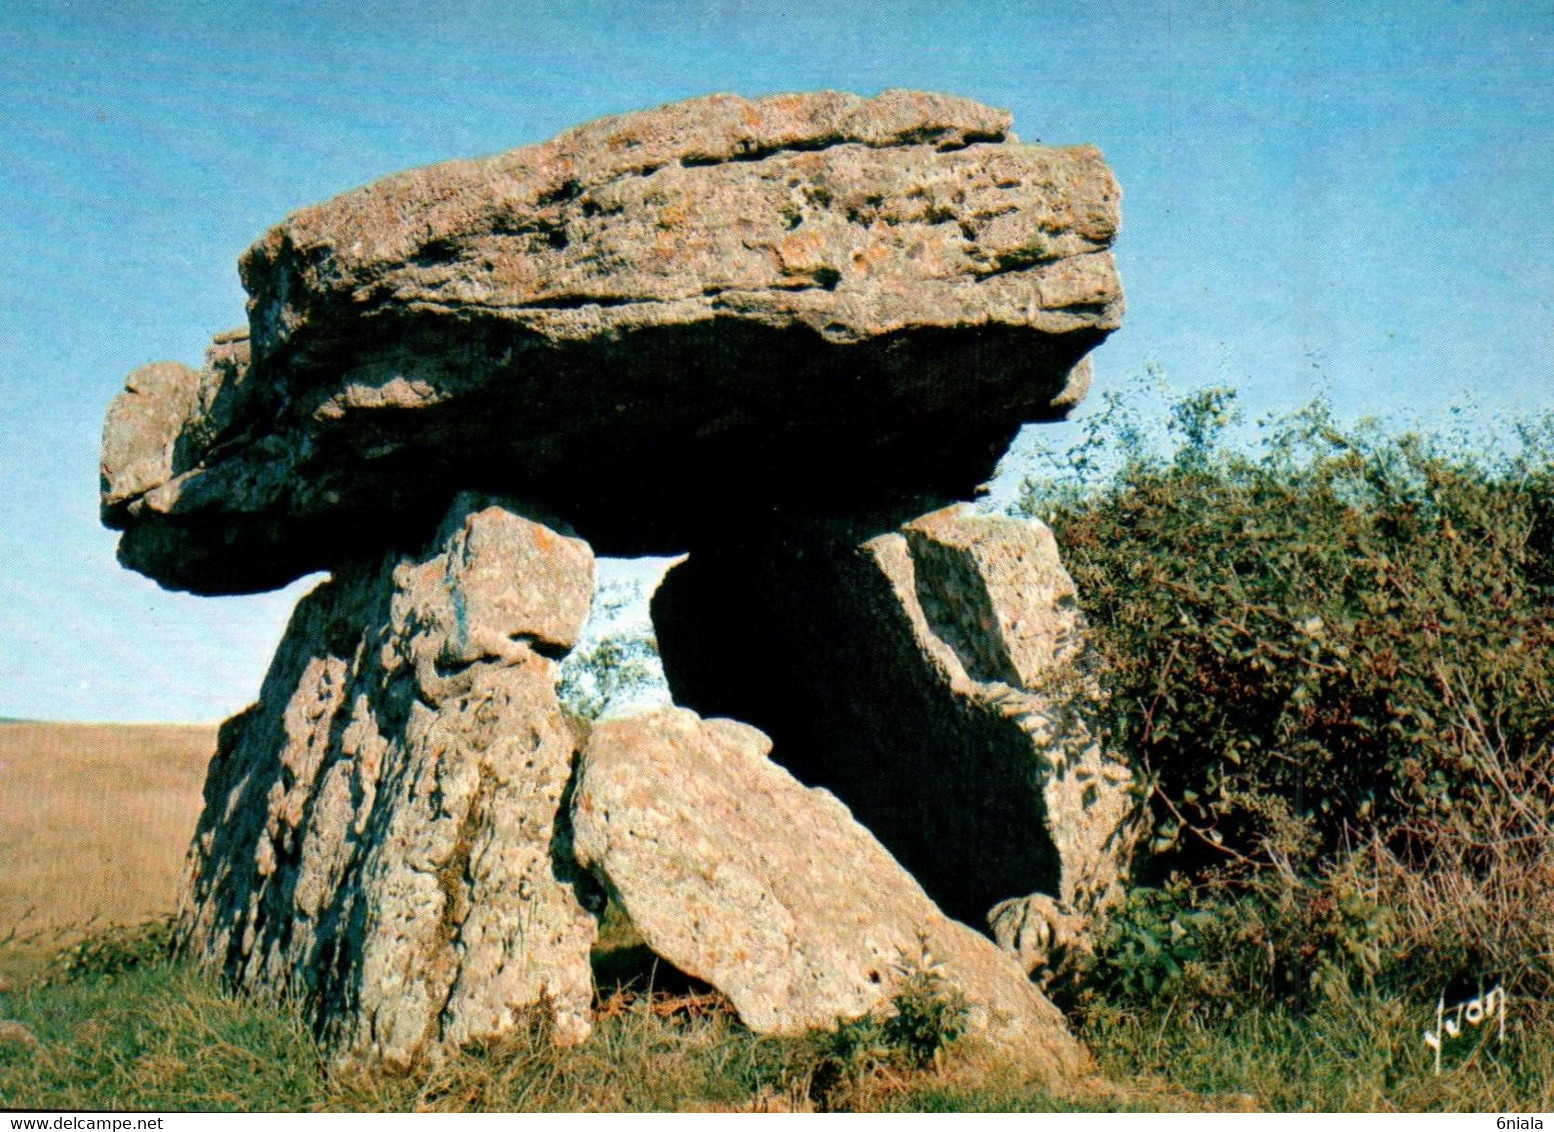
(931, 677)
(380, 836)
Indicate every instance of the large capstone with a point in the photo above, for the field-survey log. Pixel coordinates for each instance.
(737, 873)
(935, 679)
(383, 836)
(805, 305)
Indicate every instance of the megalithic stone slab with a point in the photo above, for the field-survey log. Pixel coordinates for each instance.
(995, 615)
(737, 873)
(380, 836)
(933, 677)
(802, 304)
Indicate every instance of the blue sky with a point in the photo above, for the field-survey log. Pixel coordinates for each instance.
(1343, 197)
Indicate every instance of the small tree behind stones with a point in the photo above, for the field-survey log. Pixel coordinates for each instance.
(617, 660)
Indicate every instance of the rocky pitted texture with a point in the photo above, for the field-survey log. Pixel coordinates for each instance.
(380, 835)
(737, 873)
(933, 679)
(807, 304)
(1039, 933)
(996, 615)
(142, 430)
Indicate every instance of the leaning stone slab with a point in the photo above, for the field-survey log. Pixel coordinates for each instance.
(802, 303)
(738, 874)
(380, 836)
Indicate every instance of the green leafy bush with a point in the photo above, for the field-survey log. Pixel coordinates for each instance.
(1325, 655)
(614, 661)
(926, 1018)
(607, 671)
(1214, 950)
(930, 1015)
(838, 1062)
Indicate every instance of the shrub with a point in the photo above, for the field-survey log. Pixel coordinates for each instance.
(930, 1016)
(617, 658)
(608, 671)
(1332, 660)
(1215, 950)
(927, 1016)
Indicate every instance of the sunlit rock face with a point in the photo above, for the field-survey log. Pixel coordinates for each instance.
(737, 873)
(810, 303)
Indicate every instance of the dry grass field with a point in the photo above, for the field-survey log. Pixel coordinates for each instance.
(94, 821)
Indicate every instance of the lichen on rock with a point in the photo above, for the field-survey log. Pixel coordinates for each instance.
(935, 679)
(777, 304)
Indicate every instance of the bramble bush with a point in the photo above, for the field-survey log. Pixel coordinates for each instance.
(1330, 659)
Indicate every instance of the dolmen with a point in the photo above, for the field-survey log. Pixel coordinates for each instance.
(786, 337)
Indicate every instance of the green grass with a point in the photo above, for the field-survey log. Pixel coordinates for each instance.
(155, 1038)
(165, 1038)
(161, 1037)
(1357, 1054)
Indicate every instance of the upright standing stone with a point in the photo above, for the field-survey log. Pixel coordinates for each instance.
(380, 835)
(933, 679)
